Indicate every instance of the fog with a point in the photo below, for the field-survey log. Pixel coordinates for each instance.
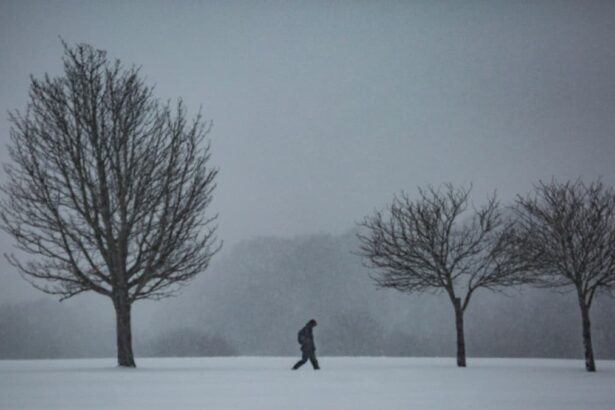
(257, 295)
(322, 112)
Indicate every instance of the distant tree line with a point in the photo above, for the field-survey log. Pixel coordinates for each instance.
(562, 235)
(43, 329)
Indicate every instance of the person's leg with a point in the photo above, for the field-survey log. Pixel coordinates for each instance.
(314, 361)
(304, 358)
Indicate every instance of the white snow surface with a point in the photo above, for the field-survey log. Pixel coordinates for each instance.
(343, 383)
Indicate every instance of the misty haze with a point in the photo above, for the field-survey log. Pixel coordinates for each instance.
(186, 185)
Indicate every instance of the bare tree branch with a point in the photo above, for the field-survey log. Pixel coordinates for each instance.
(565, 237)
(434, 243)
(107, 189)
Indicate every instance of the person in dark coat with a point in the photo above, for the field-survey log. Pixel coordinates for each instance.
(308, 349)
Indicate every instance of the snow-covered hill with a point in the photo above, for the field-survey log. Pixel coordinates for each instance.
(343, 383)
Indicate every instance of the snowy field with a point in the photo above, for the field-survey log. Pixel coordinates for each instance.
(343, 383)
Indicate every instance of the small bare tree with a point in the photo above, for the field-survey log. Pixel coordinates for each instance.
(107, 189)
(565, 237)
(424, 245)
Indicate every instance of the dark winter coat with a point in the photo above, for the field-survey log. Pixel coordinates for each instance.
(306, 339)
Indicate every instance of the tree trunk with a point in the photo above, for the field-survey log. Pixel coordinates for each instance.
(125, 357)
(461, 344)
(590, 365)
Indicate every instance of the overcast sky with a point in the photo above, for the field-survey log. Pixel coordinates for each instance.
(323, 110)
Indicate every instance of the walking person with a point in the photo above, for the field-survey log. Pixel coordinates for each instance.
(308, 349)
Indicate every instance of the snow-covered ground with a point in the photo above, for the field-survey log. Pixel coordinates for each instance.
(343, 383)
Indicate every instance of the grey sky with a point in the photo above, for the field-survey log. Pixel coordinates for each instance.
(323, 110)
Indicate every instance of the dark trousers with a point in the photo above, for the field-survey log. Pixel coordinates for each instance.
(307, 354)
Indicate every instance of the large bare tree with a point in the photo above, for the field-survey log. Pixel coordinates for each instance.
(565, 237)
(108, 188)
(435, 243)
